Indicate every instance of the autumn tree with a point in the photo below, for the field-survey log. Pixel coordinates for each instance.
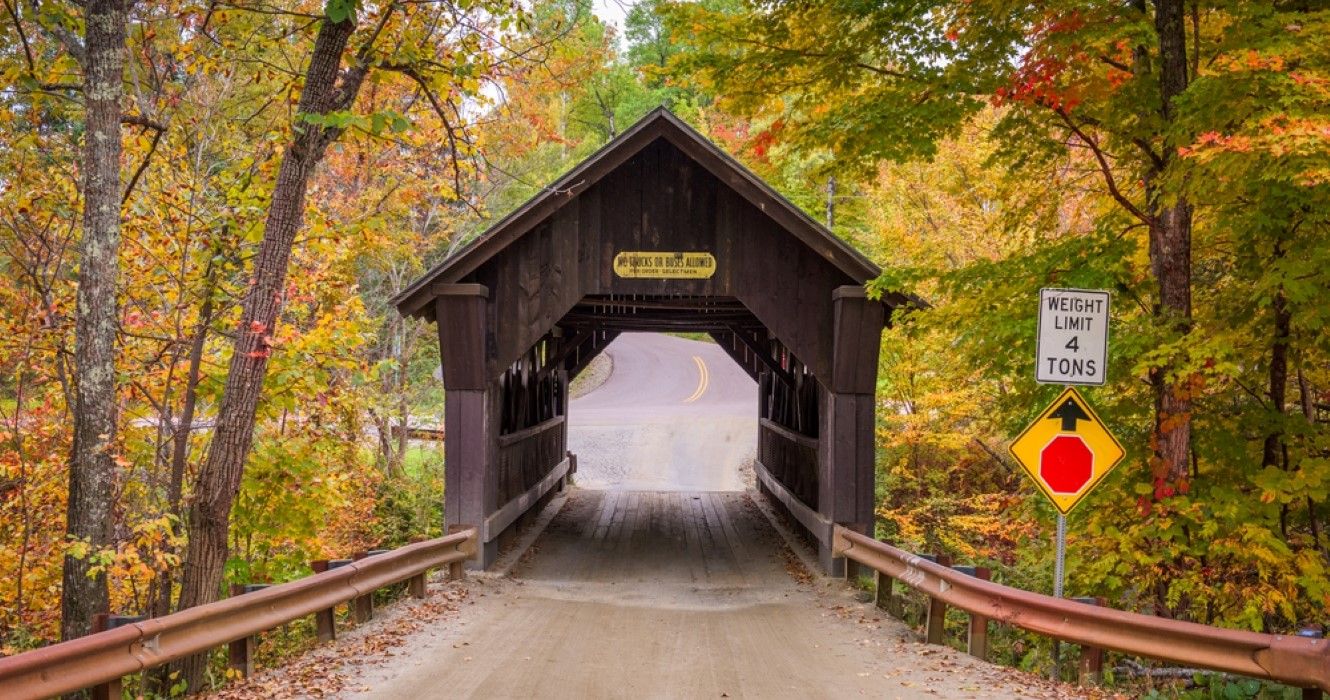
(917, 75)
(444, 54)
(92, 465)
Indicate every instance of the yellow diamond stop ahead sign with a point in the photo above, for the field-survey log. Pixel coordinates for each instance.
(1067, 450)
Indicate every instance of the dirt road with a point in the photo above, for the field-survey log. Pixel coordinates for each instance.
(673, 595)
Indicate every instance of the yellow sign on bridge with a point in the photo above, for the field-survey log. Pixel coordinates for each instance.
(664, 265)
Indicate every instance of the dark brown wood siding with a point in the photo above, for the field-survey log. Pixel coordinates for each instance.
(661, 200)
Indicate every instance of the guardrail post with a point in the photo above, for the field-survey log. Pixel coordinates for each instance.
(240, 652)
(1311, 633)
(457, 569)
(935, 630)
(416, 586)
(852, 571)
(977, 640)
(362, 607)
(884, 594)
(109, 690)
(1090, 668)
(325, 621)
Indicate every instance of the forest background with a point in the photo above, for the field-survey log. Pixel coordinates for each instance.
(1176, 153)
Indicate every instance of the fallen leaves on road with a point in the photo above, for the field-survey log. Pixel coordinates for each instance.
(325, 670)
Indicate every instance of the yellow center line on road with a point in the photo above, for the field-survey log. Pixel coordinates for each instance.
(703, 380)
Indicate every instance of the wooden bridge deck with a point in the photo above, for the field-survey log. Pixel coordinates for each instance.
(672, 595)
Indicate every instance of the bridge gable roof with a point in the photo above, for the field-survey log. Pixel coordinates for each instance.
(658, 124)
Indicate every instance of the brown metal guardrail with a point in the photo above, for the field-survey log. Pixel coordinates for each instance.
(105, 657)
(1291, 659)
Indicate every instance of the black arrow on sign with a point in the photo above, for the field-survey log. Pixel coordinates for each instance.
(1069, 412)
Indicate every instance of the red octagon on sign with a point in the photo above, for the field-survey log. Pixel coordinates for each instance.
(1066, 464)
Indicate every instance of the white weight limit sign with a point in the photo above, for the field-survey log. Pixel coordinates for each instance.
(1073, 336)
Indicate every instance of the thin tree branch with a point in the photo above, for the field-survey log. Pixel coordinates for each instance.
(158, 130)
(1106, 168)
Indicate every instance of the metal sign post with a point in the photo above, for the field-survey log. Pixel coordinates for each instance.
(1060, 559)
(1059, 573)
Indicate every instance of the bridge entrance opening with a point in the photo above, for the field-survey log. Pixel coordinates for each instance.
(659, 231)
(663, 412)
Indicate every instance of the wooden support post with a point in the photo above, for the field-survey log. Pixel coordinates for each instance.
(325, 621)
(416, 585)
(241, 656)
(471, 467)
(240, 652)
(935, 626)
(110, 690)
(471, 408)
(457, 569)
(884, 595)
(845, 467)
(977, 639)
(846, 422)
(1090, 669)
(853, 571)
(362, 607)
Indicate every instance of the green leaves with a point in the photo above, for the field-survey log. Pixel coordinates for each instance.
(376, 123)
(338, 11)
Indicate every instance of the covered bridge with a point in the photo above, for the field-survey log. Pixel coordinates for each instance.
(657, 231)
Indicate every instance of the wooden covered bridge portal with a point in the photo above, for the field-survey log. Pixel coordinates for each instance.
(657, 231)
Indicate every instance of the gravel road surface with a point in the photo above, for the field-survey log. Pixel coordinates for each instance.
(673, 594)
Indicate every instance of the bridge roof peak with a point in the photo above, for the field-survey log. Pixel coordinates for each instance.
(659, 124)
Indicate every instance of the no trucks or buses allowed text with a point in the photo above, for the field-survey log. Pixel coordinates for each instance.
(1073, 336)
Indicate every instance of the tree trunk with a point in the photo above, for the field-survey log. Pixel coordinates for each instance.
(1170, 258)
(1274, 440)
(831, 202)
(185, 425)
(92, 464)
(160, 678)
(219, 478)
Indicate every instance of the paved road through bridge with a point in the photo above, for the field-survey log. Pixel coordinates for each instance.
(674, 414)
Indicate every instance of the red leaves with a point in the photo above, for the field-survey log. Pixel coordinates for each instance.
(1041, 78)
(1165, 489)
(1213, 140)
(1061, 24)
(1036, 83)
(766, 138)
(1117, 78)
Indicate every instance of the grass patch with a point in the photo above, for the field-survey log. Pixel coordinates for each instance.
(419, 460)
